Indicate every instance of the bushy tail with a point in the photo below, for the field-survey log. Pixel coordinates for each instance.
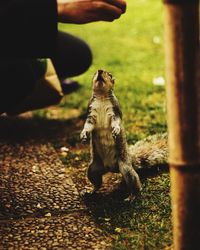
(150, 155)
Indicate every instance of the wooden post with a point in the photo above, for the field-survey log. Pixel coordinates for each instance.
(181, 19)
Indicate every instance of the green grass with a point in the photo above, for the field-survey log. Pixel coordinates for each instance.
(132, 49)
(145, 225)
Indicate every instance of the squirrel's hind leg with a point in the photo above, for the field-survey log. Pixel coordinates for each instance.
(130, 177)
(94, 174)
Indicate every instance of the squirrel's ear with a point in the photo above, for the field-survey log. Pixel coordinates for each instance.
(113, 81)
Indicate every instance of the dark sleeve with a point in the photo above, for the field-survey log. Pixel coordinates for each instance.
(28, 28)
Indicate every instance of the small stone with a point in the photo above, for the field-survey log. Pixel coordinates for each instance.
(29, 211)
(49, 242)
(39, 205)
(55, 244)
(107, 219)
(7, 205)
(48, 215)
(118, 229)
(64, 154)
(35, 168)
(64, 149)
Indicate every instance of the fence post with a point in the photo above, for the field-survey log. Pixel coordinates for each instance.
(181, 19)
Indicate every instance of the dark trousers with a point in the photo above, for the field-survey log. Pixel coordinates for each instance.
(19, 76)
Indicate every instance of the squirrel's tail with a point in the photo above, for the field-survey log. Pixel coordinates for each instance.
(150, 155)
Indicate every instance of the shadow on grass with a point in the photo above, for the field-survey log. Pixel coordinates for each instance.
(40, 129)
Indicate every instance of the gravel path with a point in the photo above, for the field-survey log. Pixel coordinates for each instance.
(40, 207)
(73, 231)
(33, 181)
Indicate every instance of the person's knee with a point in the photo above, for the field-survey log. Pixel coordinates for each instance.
(86, 59)
(79, 62)
(73, 56)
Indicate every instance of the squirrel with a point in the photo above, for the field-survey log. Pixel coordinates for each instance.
(109, 149)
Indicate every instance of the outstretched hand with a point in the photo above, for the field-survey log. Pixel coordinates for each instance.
(85, 11)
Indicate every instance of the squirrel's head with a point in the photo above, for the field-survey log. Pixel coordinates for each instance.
(103, 82)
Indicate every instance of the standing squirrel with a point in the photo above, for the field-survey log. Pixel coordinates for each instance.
(109, 148)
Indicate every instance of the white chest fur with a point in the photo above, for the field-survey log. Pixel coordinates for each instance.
(102, 111)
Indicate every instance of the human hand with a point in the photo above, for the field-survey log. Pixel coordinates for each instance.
(85, 11)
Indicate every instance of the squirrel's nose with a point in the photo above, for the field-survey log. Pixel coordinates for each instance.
(99, 75)
(100, 71)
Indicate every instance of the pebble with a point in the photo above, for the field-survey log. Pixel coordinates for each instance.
(64, 149)
(39, 205)
(48, 215)
(64, 154)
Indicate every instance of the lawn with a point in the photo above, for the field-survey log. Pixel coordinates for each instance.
(132, 49)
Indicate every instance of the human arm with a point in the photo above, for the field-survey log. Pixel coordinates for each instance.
(85, 11)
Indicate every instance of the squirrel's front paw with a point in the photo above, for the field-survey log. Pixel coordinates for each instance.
(116, 130)
(84, 136)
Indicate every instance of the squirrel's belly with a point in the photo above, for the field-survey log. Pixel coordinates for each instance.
(105, 146)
